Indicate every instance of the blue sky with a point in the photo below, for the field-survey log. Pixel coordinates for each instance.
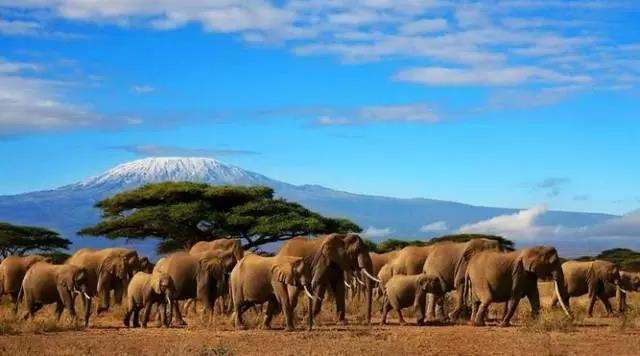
(499, 103)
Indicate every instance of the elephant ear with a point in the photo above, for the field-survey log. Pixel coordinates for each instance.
(284, 272)
(238, 251)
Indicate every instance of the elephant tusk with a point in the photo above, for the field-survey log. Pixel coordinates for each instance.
(347, 284)
(359, 280)
(86, 295)
(366, 273)
(306, 291)
(623, 290)
(168, 300)
(564, 307)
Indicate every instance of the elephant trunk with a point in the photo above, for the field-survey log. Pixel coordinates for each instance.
(561, 289)
(366, 267)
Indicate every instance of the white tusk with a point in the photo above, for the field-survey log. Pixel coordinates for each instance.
(309, 294)
(358, 280)
(168, 300)
(347, 284)
(623, 290)
(86, 295)
(564, 307)
(370, 276)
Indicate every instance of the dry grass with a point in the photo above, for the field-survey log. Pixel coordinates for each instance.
(551, 334)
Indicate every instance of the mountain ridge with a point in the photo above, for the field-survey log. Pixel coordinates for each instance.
(70, 207)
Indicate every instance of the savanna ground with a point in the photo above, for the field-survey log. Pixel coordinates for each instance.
(551, 334)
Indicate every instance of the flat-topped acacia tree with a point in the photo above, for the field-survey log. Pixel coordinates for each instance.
(183, 213)
(20, 240)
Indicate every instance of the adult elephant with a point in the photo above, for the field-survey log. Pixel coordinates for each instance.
(410, 260)
(109, 269)
(495, 277)
(12, 271)
(194, 276)
(629, 282)
(257, 279)
(230, 246)
(331, 257)
(590, 277)
(448, 261)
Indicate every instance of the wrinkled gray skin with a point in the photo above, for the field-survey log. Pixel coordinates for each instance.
(144, 291)
(12, 271)
(404, 291)
(46, 283)
(494, 277)
(590, 277)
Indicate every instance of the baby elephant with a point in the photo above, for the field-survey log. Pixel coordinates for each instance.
(144, 290)
(404, 291)
(46, 283)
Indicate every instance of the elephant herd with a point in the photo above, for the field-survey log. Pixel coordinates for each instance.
(220, 271)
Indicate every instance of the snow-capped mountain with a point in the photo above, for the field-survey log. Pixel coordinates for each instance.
(69, 208)
(153, 170)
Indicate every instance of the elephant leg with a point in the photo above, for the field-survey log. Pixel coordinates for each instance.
(592, 302)
(439, 303)
(127, 317)
(474, 310)
(147, 313)
(481, 313)
(136, 317)
(272, 308)
(431, 306)
(400, 317)
(460, 304)
(33, 309)
(118, 292)
(607, 305)
(282, 297)
(512, 305)
(338, 288)
(533, 295)
(317, 304)
(105, 300)
(15, 301)
(621, 299)
(385, 309)
(59, 309)
(176, 311)
(419, 306)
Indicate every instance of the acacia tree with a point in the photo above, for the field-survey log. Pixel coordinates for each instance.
(180, 214)
(19, 240)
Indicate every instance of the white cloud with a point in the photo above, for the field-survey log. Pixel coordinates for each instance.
(152, 150)
(508, 76)
(142, 89)
(373, 232)
(30, 104)
(434, 227)
(424, 26)
(409, 113)
(522, 226)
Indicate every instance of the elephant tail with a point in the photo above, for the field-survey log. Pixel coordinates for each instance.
(466, 294)
(21, 293)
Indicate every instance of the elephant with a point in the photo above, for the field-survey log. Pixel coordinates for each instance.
(410, 260)
(197, 276)
(230, 251)
(404, 291)
(449, 261)
(495, 277)
(629, 282)
(330, 257)
(107, 269)
(146, 289)
(47, 283)
(145, 265)
(12, 271)
(378, 260)
(590, 277)
(257, 280)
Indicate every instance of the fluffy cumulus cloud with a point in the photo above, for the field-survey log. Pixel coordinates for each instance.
(473, 43)
(434, 227)
(374, 232)
(408, 113)
(523, 226)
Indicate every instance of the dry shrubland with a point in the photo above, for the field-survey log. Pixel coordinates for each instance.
(552, 333)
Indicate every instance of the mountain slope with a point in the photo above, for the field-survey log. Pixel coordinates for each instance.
(70, 208)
